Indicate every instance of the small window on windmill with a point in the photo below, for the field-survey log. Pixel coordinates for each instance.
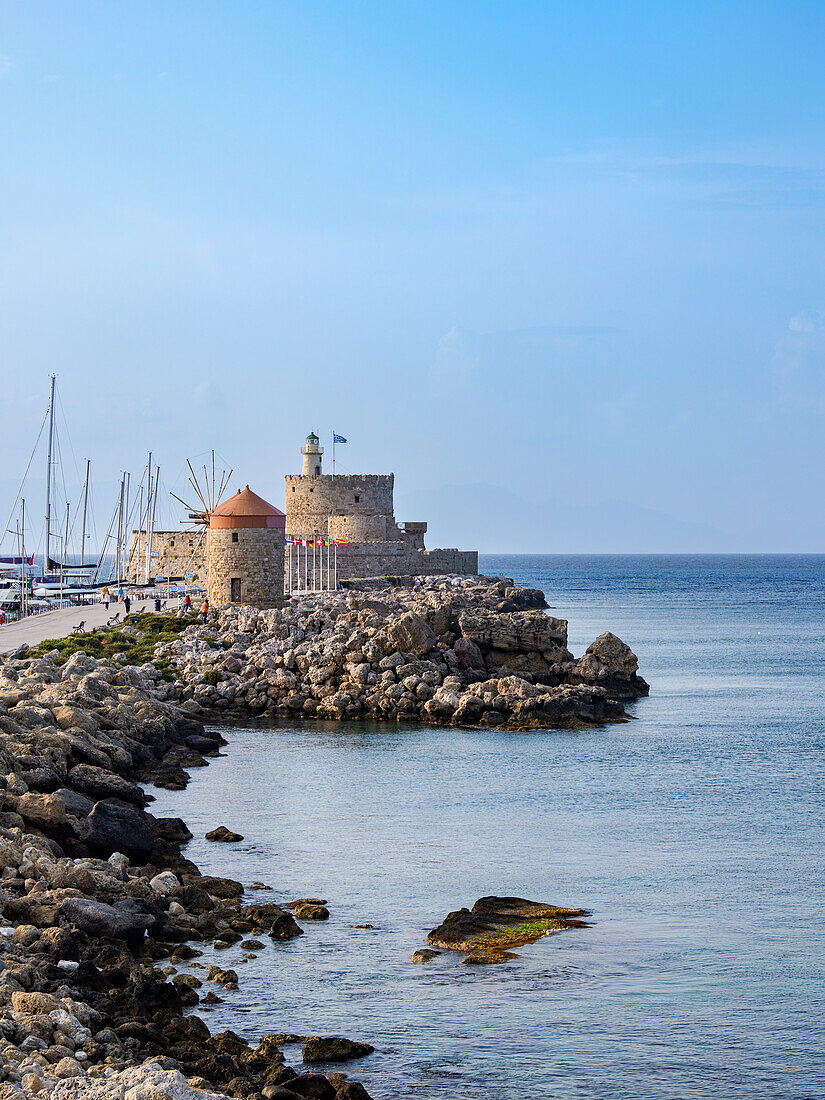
(234, 536)
(171, 542)
(191, 543)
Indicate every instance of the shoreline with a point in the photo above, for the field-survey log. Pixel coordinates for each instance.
(97, 893)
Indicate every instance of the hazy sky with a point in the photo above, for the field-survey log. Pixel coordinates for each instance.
(559, 266)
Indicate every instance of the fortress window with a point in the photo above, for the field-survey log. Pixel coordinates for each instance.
(234, 536)
(357, 499)
(171, 542)
(293, 488)
(191, 543)
(311, 490)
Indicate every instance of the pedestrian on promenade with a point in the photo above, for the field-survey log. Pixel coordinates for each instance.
(104, 595)
(205, 609)
(120, 594)
(127, 603)
(187, 603)
(181, 604)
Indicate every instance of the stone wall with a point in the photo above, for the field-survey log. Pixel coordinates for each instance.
(358, 528)
(178, 553)
(311, 501)
(397, 559)
(253, 556)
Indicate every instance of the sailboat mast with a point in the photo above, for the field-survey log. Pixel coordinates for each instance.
(148, 511)
(152, 523)
(46, 549)
(139, 532)
(85, 505)
(23, 600)
(125, 560)
(119, 538)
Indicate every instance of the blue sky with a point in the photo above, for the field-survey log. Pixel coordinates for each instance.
(560, 267)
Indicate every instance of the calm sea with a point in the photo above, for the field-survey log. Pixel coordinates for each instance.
(694, 834)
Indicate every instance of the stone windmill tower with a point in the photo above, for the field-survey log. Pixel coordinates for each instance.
(245, 551)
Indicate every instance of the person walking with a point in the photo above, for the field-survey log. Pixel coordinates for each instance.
(181, 605)
(127, 603)
(187, 603)
(104, 595)
(120, 595)
(205, 609)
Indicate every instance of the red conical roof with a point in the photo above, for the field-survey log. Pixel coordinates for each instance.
(246, 509)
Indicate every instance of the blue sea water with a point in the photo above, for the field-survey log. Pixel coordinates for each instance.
(694, 834)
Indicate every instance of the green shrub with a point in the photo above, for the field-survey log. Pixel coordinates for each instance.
(212, 677)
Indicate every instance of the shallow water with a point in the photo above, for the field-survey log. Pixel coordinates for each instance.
(694, 835)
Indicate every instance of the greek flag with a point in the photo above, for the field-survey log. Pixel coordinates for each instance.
(338, 438)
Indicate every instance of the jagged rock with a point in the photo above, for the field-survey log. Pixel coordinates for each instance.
(95, 918)
(78, 805)
(100, 784)
(147, 1082)
(611, 664)
(408, 634)
(523, 631)
(111, 827)
(223, 835)
(424, 955)
(44, 811)
(333, 1048)
(496, 923)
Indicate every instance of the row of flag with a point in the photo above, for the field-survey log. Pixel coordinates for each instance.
(315, 542)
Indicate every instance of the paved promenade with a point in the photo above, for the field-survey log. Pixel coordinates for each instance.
(57, 624)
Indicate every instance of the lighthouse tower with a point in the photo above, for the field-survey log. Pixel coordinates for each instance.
(312, 456)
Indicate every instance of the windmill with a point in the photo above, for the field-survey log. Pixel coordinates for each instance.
(208, 493)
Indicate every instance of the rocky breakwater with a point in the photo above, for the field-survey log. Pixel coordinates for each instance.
(458, 651)
(99, 909)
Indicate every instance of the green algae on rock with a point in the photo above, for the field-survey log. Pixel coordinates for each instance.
(494, 925)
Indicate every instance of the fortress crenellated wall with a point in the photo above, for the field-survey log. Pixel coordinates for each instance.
(311, 501)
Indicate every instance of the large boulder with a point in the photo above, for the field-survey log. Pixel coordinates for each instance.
(519, 631)
(333, 1048)
(106, 922)
(610, 663)
(111, 827)
(100, 784)
(407, 634)
(44, 811)
(496, 923)
(74, 718)
(145, 1082)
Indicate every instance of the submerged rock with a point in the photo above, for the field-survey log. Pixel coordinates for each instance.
(495, 924)
(424, 955)
(224, 835)
(334, 1048)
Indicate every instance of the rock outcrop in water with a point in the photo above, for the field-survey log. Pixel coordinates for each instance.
(494, 925)
(458, 651)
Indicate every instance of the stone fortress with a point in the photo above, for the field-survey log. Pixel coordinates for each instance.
(358, 510)
(239, 557)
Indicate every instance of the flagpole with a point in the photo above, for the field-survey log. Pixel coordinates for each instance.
(333, 452)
